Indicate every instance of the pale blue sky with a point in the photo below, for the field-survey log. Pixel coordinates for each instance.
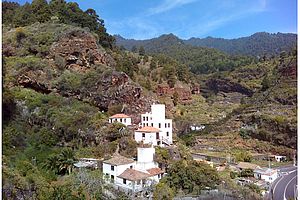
(142, 19)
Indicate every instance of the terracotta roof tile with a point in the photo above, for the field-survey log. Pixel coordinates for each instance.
(148, 129)
(133, 175)
(155, 171)
(121, 115)
(118, 160)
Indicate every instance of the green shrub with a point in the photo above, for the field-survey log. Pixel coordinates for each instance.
(20, 34)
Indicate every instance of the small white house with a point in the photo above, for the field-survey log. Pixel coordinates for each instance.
(121, 118)
(156, 119)
(266, 174)
(280, 158)
(115, 166)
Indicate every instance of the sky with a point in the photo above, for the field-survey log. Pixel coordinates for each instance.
(144, 19)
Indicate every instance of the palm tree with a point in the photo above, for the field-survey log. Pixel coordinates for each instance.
(66, 161)
(52, 163)
(61, 163)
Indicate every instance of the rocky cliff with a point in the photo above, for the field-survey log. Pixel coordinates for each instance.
(77, 66)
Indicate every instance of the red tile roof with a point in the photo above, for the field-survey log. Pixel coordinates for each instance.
(121, 115)
(133, 175)
(148, 129)
(118, 160)
(155, 171)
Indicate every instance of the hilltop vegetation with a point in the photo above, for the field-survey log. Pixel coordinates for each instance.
(199, 59)
(259, 44)
(58, 11)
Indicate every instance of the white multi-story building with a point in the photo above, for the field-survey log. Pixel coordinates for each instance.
(156, 119)
(130, 175)
(121, 118)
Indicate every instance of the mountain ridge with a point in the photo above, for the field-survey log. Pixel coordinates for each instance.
(257, 44)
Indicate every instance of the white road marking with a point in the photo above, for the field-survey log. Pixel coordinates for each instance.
(287, 186)
(277, 183)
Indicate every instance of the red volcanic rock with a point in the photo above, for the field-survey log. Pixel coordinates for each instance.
(80, 50)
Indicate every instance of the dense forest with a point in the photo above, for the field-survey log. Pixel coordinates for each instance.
(257, 45)
(198, 59)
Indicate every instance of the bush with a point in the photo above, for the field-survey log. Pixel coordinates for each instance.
(114, 109)
(245, 134)
(233, 175)
(247, 173)
(60, 62)
(19, 35)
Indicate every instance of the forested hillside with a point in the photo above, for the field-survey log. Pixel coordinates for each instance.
(259, 44)
(198, 59)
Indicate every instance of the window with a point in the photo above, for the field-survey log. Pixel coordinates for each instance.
(124, 181)
(120, 120)
(131, 166)
(159, 125)
(169, 125)
(167, 134)
(158, 175)
(143, 118)
(138, 182)
(112, 168)
(165, 125)
(147, 124)
(143, 135)
(143, 124)
(125, 120)
(152, 124)
(112, 177)
(146, 118)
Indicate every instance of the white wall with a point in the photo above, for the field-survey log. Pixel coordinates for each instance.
(269, 179)
(150, 138)
(158, 112)
(125, 121)
(145, 154)
(117, 169)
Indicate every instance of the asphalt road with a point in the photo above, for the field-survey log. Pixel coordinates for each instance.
(284, 187)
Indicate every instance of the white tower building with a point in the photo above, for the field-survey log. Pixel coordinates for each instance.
(156, 118)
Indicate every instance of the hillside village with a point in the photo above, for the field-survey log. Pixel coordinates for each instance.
(137, 176)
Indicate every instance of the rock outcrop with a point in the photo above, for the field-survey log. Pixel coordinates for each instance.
(225, 85)
(78, 50)
(184, 94)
